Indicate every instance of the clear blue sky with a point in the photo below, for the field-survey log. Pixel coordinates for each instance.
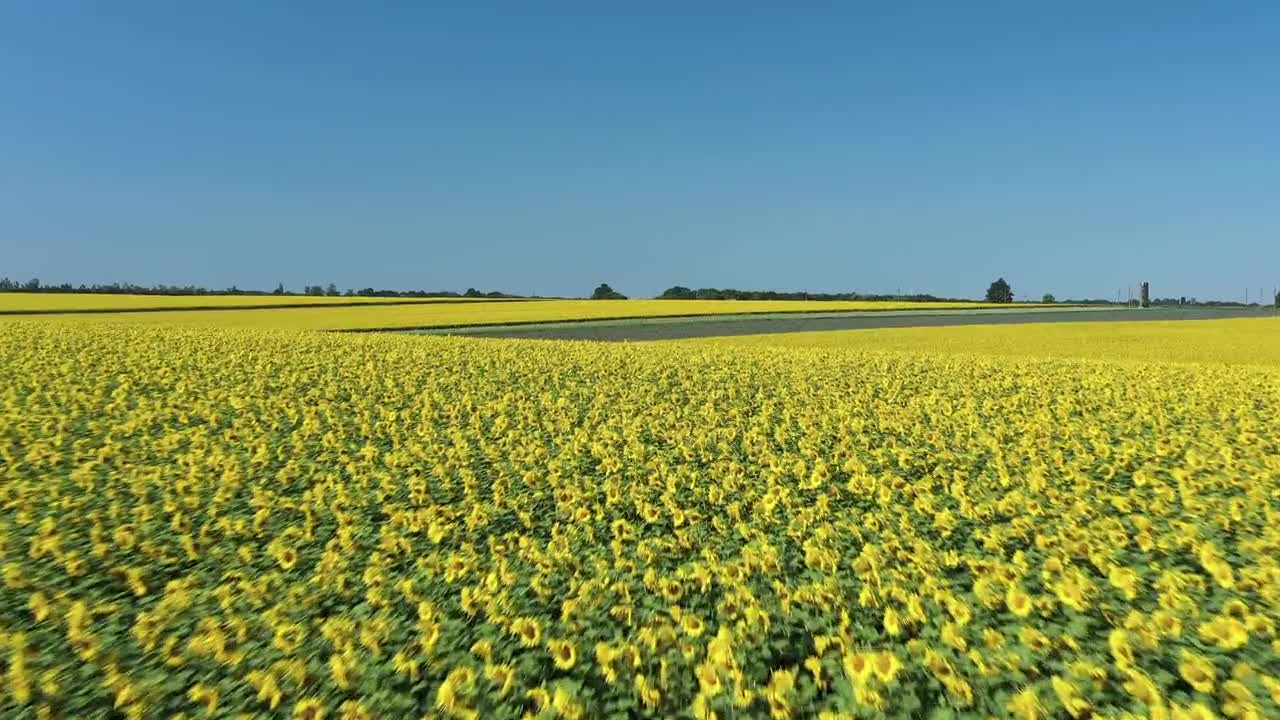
(1070, 147)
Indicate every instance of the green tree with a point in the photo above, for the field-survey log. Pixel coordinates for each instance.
(999, 292)
(678, 292)
(604, 292)
(1048, 299)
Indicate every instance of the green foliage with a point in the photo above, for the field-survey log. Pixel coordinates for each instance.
(680, 292)
(999, 292)
(1048, 299)
(331, 290)
(604, 292)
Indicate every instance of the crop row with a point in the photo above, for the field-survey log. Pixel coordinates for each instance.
(206, 523)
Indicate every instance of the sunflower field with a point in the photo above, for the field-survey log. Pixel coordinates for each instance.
(204, 523)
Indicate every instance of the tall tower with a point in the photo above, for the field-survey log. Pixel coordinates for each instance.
(1146, 295)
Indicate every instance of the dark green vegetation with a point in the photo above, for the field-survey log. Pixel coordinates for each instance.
(35, 286)
(1000, 292)
(604, 292)
(679, 292)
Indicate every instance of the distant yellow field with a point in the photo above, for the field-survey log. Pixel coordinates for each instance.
(1246, 341)
(62, 302)
(493, 313)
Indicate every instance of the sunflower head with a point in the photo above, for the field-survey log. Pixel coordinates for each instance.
(563, 653)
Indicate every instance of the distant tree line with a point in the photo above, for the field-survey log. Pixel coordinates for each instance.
(1162, 302)
(999, 291)
(683, 293)
(35, 286)
(1193, 301)
(1169, 302)
(604, 292)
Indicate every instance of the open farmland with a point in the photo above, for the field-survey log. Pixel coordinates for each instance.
(827, 324)
(18, 303)
(208, 522)
(461, 314)
(1239, 341)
